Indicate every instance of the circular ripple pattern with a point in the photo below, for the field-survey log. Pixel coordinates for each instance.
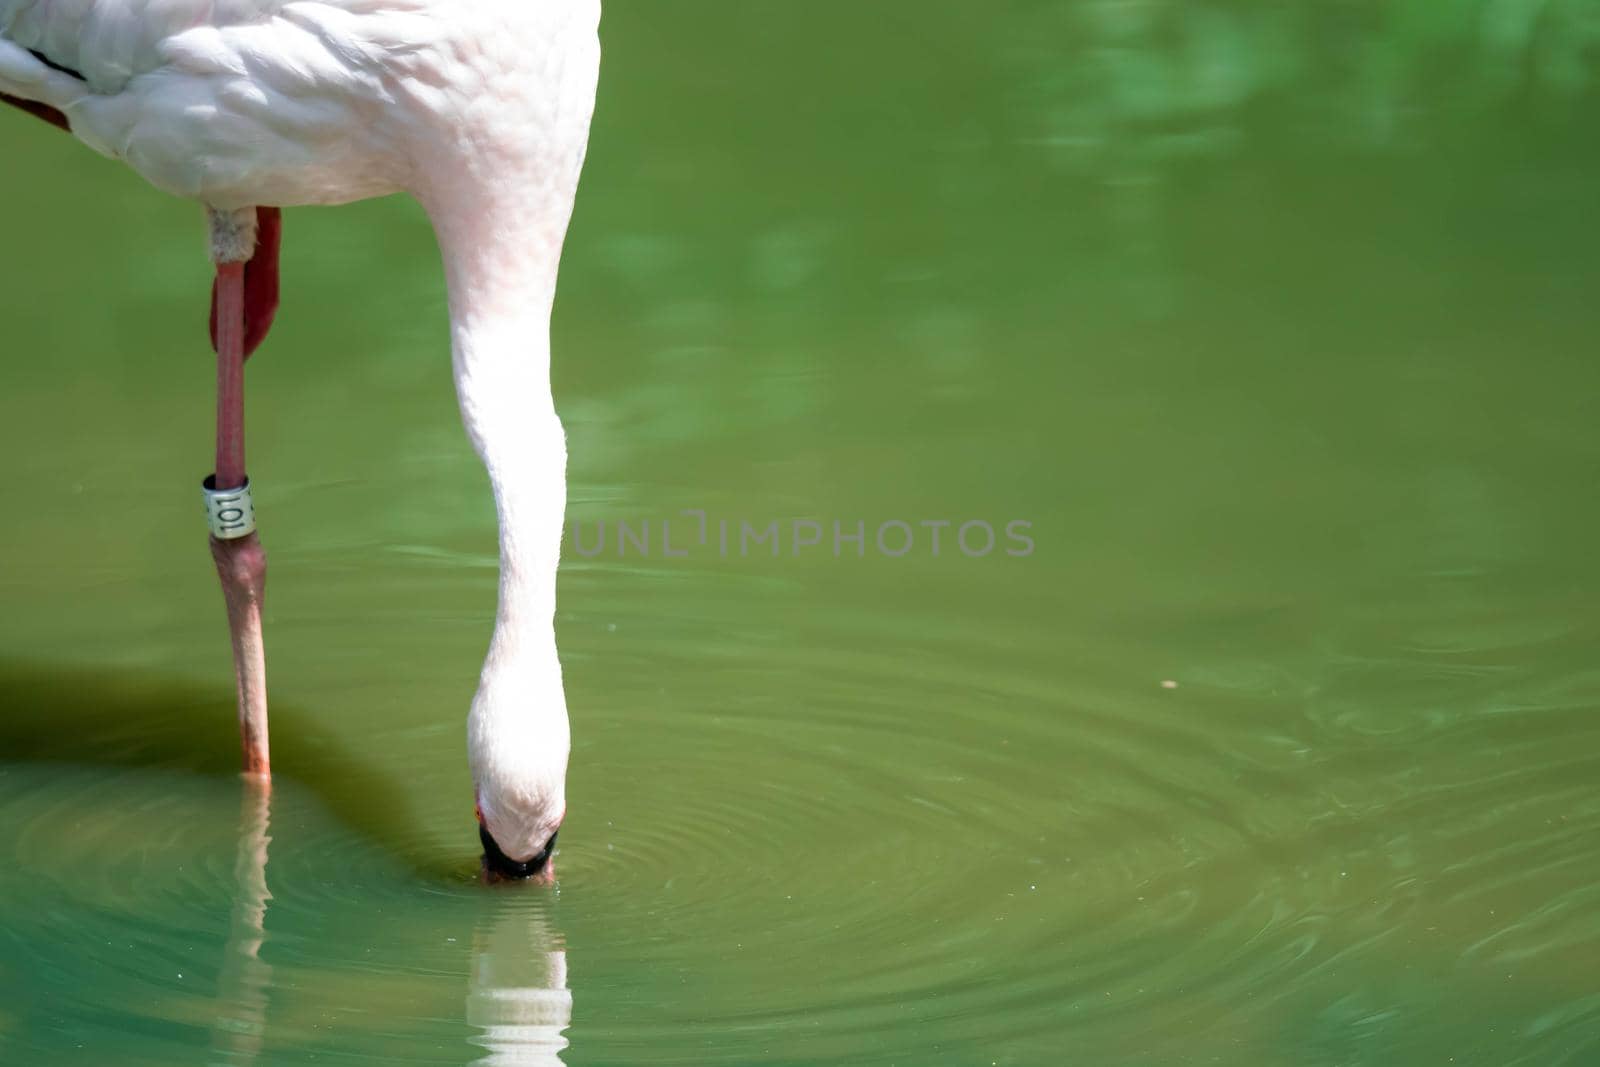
(817, 834)
(1007, 840)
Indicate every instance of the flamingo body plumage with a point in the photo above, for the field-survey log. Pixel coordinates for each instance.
(478, 108)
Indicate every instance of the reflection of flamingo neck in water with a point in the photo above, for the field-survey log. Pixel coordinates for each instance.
(519, 1000)
(245, 978)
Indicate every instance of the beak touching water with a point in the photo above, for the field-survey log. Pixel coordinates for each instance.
(497, 866)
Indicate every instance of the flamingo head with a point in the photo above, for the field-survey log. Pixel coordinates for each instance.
(519, 770)
(498, 865)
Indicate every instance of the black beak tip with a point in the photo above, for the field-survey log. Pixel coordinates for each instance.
(504, 866)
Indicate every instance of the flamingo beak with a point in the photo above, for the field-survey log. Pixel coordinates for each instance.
(497, 865)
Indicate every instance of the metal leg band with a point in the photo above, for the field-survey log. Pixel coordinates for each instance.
(229, 512)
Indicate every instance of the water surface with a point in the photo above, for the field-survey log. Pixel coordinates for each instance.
(1279, 746)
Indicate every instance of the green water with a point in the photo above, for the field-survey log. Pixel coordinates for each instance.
(1278, 326)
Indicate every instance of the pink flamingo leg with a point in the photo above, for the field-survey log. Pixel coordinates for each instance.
(241, 563)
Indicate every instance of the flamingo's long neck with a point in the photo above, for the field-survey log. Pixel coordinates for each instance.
(501, 281)
(500, 192)
(500, 269)
(497, 172)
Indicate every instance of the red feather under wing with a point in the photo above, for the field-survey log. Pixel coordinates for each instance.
(33, 107)
(260, 282)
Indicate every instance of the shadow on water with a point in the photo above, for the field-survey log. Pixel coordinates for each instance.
(518, 1003)
(56, 713)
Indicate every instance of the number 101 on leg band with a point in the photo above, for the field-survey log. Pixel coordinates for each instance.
(229, 512)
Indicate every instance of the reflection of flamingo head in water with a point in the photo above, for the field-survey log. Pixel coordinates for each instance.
(519, 1000)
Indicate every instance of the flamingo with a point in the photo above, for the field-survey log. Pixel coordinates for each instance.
(479, 109)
